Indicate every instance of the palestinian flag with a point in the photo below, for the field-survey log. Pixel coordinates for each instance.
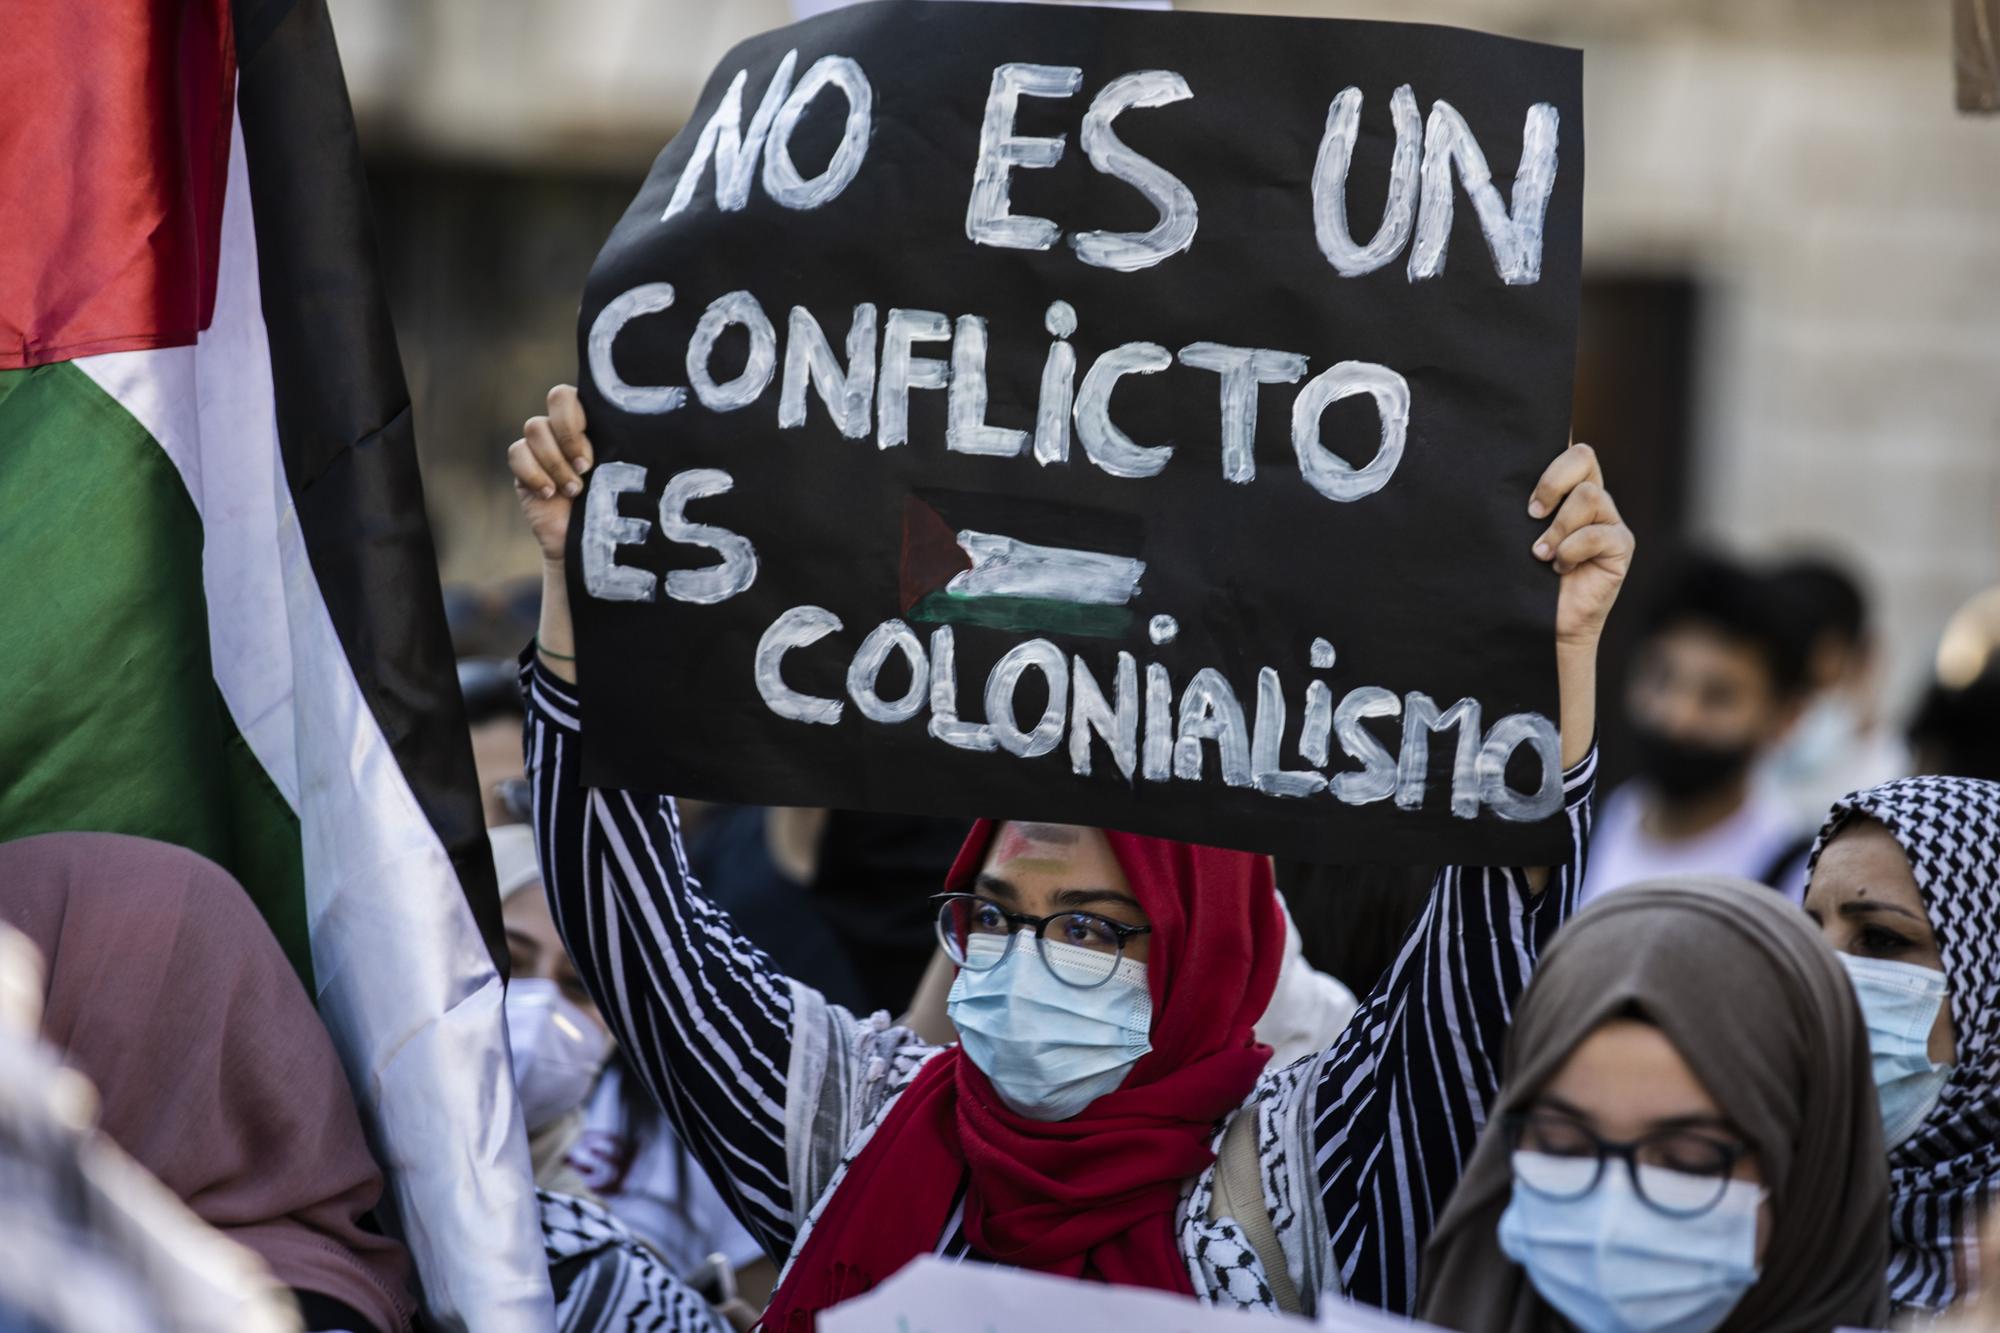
(969, 559)
(222, 621)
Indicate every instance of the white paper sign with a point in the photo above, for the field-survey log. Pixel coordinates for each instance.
(935, 1296)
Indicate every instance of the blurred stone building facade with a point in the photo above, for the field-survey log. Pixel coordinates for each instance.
(1811, 235)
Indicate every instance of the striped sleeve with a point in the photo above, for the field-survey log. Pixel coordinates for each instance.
(702, 1014)
(1403, 1095)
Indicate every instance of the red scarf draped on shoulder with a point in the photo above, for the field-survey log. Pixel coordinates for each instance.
(1092, 1196)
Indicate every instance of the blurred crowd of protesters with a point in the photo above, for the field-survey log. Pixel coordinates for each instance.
(1755, 702)
(1755, 699)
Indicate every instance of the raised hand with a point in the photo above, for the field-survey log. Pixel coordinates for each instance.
(1586, 541)
(548, 463)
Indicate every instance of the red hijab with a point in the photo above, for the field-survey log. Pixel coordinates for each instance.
(1092, 1196)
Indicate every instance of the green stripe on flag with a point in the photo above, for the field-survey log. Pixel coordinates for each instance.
(111, 720)
(1027, 615)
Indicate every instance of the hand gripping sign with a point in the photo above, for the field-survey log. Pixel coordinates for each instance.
(1119, 418)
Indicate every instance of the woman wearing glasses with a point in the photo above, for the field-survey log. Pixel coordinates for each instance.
(1686, 1139)
(1108, 985)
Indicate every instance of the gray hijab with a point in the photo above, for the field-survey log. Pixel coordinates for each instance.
(1762, 1012)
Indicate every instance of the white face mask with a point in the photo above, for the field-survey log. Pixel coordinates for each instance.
(1050, 1048)
(1900, 1003)
(558, 1050)
(1612, 1263)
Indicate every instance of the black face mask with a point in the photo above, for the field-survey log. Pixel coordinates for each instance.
(1679, 769)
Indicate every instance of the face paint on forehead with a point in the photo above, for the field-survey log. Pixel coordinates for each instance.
(1044, 841)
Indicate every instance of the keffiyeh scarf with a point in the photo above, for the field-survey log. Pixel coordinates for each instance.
(1946, 1176)
(609, 1281)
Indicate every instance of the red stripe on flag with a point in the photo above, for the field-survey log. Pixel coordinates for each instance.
(114, 153)
(931, 553)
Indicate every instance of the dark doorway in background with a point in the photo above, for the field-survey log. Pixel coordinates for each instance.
(1634, 396)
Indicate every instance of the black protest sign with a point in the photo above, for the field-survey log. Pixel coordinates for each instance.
(1073, 414)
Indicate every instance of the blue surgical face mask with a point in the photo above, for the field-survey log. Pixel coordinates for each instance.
(1900, 1003)
(1612, 1263)
(1050, 1048)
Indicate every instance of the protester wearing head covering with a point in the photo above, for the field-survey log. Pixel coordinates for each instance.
(556, 1039)
(783, 1094)
(604, 1275)
(92, 1241)
(1116, 1166)
(167, 990)
(1308, 1008)
(593, 1132)
(558, 1048)
(1762, 1014)
(780, 1093)
(1944, 1166)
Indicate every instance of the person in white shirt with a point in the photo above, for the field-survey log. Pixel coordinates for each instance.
(1718, 681)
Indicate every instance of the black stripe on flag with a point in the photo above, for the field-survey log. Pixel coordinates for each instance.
(344, 422)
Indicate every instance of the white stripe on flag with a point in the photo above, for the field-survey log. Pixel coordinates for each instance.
(1005, 567)
(406, 986)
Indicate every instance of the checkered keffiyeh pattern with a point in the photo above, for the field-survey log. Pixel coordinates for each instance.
(609, 1281)
(1945, 1176)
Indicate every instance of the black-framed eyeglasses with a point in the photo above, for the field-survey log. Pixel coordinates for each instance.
(978, 934)
(1679, 1172)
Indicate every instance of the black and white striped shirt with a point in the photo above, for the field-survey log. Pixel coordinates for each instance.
(775, 1090)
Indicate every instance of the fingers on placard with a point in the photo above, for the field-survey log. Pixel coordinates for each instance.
(1569, 469)
(566, 419)
(541, 439)
(528, 473)
(1588, 503)
(1594, 542)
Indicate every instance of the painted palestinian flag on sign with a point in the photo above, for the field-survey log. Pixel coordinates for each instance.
(223, 626)
(969, 559)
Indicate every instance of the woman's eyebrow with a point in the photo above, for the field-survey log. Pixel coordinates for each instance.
(997, 887)
(1548, 1101)
(1868, 907)
(1082, 897)
(1699, 1120)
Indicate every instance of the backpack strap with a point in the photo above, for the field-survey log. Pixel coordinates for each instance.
(1239, 1195)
